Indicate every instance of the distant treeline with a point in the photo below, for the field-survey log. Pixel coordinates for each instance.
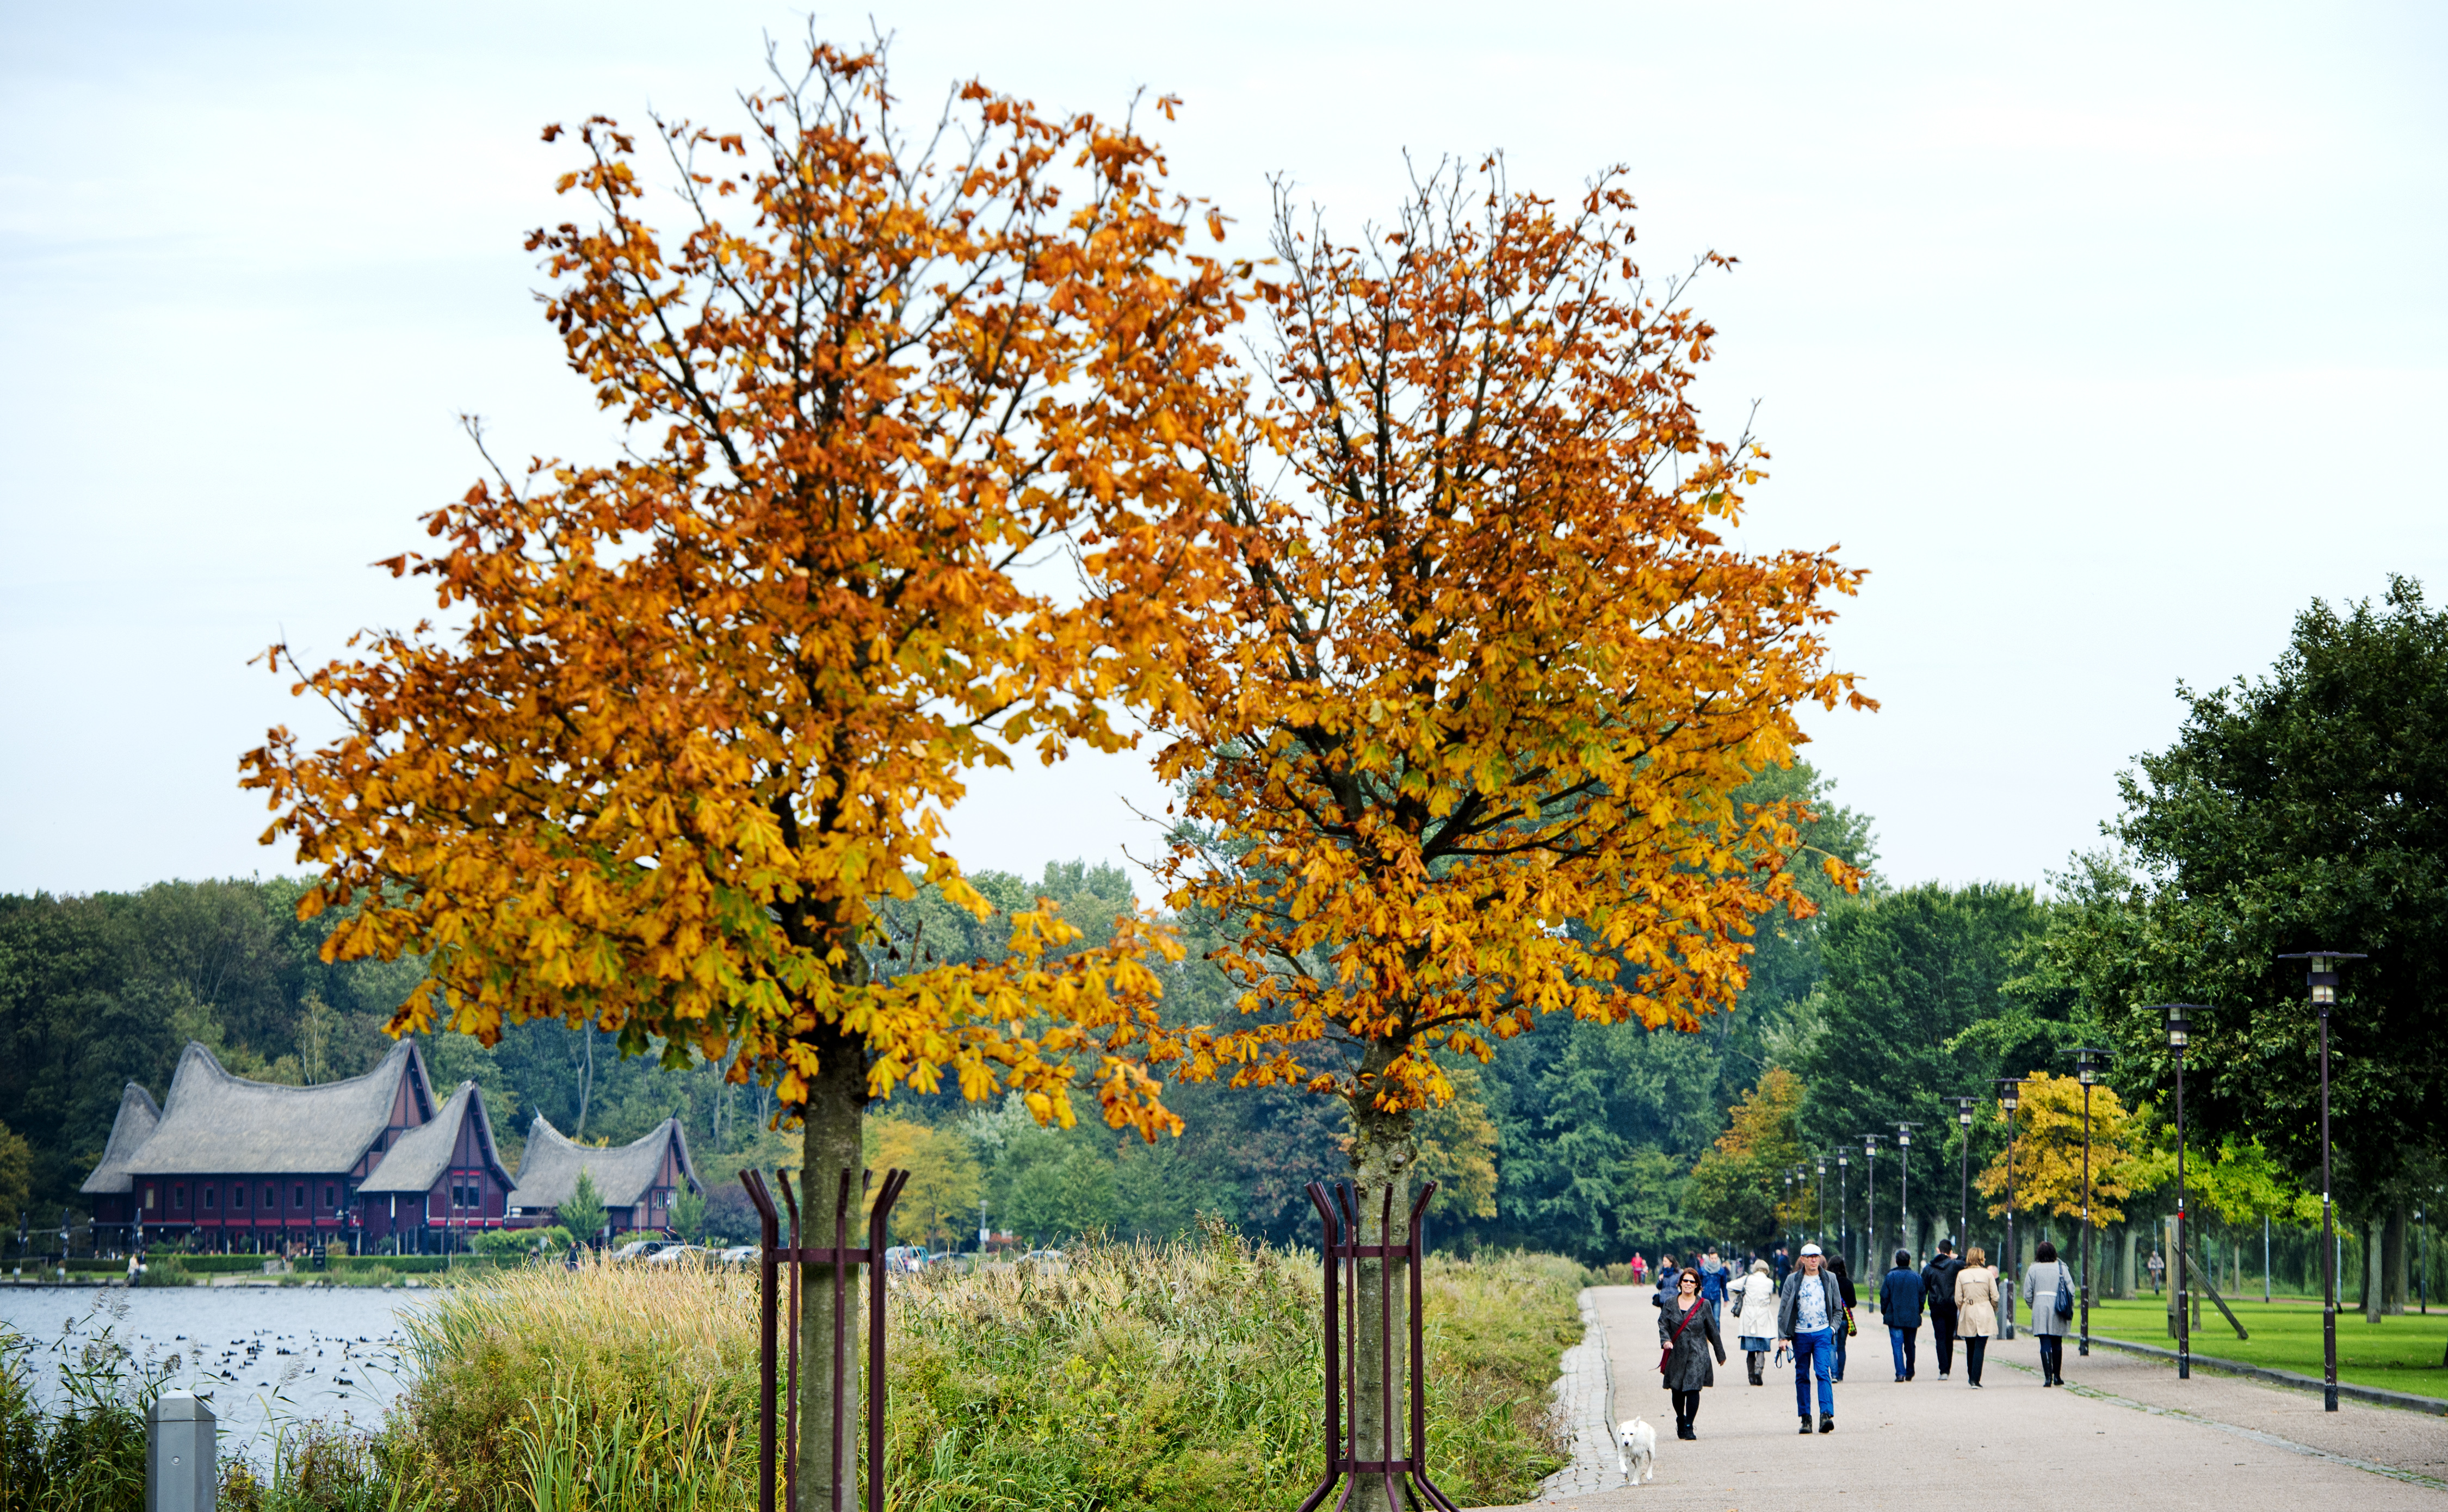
(1578, 1139)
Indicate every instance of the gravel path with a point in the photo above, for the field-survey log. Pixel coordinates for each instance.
(2127, 1434)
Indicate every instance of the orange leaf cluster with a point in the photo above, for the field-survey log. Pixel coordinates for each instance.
(708, 700)
(1461, 741)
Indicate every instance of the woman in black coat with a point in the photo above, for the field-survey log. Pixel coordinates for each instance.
(1688, 1328)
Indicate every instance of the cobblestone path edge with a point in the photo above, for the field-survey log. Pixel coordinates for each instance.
(1585, 1393)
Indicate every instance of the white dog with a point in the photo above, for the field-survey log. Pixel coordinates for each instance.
(1635, 1444)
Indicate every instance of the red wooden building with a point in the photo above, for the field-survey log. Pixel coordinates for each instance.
(636, 1183)
(257, 1167)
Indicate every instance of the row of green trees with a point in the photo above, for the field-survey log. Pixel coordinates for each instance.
(2304, 808)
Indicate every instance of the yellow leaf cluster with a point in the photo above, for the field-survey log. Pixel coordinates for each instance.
(2048, 1153)
(702, 707)
(1457, 751)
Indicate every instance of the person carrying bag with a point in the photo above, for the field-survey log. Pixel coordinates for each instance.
(1684, 1361)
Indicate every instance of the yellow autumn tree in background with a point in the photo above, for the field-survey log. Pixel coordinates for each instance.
(2047, 1150)
(1456, 752)
(697, 709)
(1737, 1184)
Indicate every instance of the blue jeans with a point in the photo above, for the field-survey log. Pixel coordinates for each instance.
(1838, 1333)
(1818, 1348)
(1907, 1345)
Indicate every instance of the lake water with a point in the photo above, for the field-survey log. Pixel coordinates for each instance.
(258, 1354)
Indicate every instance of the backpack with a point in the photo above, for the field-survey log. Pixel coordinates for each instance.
(2065, 1295)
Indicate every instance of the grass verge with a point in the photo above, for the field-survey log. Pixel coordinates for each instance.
(2399, 1354)
(1179, 1377)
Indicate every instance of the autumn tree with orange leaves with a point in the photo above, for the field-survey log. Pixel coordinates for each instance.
(1460, 746)
(701, 703)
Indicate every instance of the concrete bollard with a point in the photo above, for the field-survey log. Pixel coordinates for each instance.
(182, 1455)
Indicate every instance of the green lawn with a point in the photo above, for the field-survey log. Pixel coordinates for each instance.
(2399, 1354)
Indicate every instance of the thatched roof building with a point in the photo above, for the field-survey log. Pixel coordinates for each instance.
(637, 1181)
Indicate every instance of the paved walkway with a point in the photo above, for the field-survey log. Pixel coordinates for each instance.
(2127, 1434)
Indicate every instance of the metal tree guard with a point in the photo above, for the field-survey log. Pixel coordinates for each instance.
(842, 1257)
(1341, 1257)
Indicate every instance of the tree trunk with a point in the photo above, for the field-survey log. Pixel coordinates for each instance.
(2392, 1268)
(830, 1144)
(2371, 1270)
(1383, 1159)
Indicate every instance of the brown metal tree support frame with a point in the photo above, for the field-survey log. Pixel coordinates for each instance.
(1342, 1256)
(842, 1257)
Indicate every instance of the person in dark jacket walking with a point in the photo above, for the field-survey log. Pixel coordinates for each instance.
(1713, 1277)
(1900, 1303)
(1809, 1309)
(1837, 1267)
(1687, 1326)
(1938, 1290)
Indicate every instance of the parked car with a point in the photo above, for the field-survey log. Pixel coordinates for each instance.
(681, 1254)
(741, 1254)
(641, 1248)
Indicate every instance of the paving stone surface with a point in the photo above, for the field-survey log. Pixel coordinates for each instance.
(1583, 1389)
(2126, 1434)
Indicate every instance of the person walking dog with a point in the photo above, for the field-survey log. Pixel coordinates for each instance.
(1754, 1303)
(2048, 1290)
(1687, 1328)
(1976, 1309)
(1937, 1291)
(1900, 1298)
(1809, 1309)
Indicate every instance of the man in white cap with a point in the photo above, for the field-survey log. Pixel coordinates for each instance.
(1810, 1309)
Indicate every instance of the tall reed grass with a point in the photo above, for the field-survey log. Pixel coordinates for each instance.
(1179, 1377)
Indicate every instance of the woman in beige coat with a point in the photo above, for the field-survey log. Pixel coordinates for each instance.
(1976, 1308)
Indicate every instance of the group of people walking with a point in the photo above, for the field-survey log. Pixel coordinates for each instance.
(1811, 1310)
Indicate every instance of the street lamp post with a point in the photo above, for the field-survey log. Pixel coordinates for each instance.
(1963, 1213)
(1821, 1186)
(2086, 1068)
(1843, 1202)
(1870, 1201)
(2321, 977)
(1904, 1184)
(2179, 1031)
(2010, 1096)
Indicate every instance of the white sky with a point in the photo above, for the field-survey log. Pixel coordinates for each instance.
(2100, 334)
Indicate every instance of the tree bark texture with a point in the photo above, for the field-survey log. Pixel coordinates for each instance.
(2371, 1270)
(830, 1144)
(1383, 1159)
(2393, 1271)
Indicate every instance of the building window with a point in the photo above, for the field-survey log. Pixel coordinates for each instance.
(212, 1194)
(270, 1197)
(238, 1194)
(148, 1199)
(179, 1197)
(466, 1196)
(298, 1198)
(327, 1194)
